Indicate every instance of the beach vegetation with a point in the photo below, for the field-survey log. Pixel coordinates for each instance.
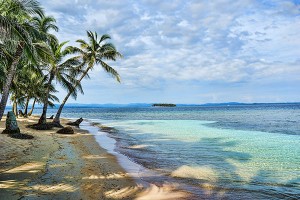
(31, 85)
(18, 38)
(93, 52)
(33, 60)
(63, 71)
(163, 105)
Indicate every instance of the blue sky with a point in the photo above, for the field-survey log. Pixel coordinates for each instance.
(184, 51)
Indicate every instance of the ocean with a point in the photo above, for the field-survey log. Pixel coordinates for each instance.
(214, 152)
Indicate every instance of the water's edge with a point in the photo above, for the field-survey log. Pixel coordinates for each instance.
(146, 177)
(142, 176)
(135, 170)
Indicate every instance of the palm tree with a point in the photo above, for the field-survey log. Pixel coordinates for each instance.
(38, 87)
(30, 82)
(34, 83)
(3, 72)
(39, 90)
(93, 52)
(60, 70)
(18, 88)
(44, 24)
(18, 35)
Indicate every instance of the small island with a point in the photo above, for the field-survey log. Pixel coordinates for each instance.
(163, 105)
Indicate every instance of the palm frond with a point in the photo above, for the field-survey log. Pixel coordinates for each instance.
(53, 97)
(68, 64)
(29, 6)
(82, 44)
(104, 37)
(110, 70)
(68, 86)
(60, 46)
(44, 52)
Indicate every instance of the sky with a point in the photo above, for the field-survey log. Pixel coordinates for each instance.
(184, 51)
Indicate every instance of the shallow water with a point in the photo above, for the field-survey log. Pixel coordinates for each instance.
(223, 158)
(223, 152)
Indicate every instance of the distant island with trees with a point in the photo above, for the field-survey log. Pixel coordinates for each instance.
(163, 105)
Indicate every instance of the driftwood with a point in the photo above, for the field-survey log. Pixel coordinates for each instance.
(52, 116)
(76, 123)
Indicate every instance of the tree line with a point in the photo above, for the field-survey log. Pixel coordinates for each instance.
(32, 59)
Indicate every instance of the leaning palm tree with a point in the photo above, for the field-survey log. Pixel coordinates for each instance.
(93, 52)
(59, 70)
(18, 35)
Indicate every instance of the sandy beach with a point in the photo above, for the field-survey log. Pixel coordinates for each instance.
(173, 100)
(56, 166)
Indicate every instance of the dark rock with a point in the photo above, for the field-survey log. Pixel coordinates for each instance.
(107, 129)
(11, 125)
(52, 116)
(76, 123)
(66, 130)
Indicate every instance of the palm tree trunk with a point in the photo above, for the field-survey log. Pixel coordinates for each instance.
(32, 108)
(26, 106)
(57, 116)
(43, 118)
(9, 78)
(14, 107)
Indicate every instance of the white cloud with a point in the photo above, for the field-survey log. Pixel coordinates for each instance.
(223, 41)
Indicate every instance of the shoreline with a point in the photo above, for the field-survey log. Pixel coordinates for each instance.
(110, 144)
(144, 177)
(55, 165)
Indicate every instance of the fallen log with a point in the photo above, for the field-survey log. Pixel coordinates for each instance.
(76, 123)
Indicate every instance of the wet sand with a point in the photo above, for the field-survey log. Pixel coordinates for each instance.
(56, 166)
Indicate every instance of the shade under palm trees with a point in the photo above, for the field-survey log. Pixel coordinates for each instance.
(93, 52)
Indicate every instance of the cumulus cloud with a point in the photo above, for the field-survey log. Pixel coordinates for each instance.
(224, 41)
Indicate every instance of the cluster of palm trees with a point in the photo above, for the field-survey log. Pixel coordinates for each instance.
(32, 59)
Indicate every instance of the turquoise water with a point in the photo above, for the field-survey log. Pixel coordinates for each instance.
(226, 159)
(238, 152)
